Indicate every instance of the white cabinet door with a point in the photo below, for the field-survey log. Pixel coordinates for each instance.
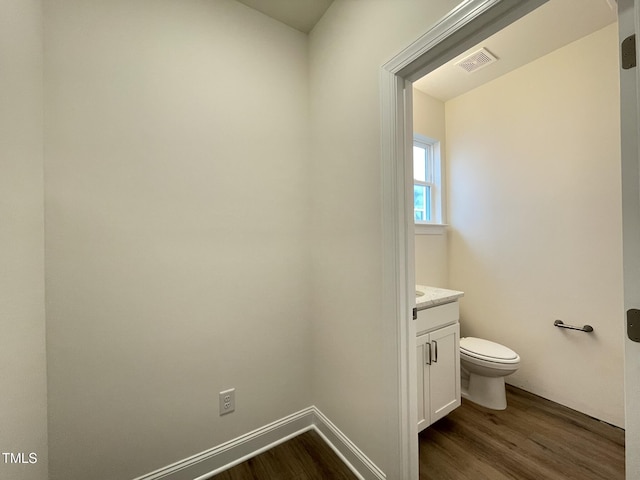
(438, 374)
(422, 359)
(444, 371)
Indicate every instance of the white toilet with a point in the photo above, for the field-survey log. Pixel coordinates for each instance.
(484, 365)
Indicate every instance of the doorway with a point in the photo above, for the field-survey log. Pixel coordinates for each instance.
(534, 200)
(467, 25)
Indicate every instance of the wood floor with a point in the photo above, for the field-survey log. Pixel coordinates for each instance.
(532, 439)
(305, 457)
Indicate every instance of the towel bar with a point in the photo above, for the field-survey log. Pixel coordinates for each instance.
(561, 324)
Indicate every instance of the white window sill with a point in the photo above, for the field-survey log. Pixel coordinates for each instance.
(430, 228)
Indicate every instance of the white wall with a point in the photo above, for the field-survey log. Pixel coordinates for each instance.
(176, 217)
(431, 251)
(534, 170)
(355, 361)
(23, 402)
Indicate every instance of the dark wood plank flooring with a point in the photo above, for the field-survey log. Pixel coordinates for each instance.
(305, 457)
(533, 439)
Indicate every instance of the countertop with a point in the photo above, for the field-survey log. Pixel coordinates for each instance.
(435, 296)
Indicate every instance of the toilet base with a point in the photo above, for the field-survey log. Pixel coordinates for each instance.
(488, 392)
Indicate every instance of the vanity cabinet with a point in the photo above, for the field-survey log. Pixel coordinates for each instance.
(438, 362)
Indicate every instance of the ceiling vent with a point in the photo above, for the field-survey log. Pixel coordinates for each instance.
(476, 61)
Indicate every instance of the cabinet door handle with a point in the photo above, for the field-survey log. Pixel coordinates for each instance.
(435, 351)
(428, 355)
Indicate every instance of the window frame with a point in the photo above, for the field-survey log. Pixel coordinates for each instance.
(435, 225)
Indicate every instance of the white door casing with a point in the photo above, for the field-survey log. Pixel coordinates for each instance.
(628, 22)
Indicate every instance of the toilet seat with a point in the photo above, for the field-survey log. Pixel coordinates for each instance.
(481, 349)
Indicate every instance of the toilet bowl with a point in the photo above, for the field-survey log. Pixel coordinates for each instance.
(484, 365)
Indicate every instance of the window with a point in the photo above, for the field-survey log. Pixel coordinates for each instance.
(427, 180)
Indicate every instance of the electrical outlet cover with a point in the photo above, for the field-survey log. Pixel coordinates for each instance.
(227, 401)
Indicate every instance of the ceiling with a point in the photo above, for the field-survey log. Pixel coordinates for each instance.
(299, 14)
(553, 25)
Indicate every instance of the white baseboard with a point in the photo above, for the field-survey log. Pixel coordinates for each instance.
(205, 465)
(351, 455)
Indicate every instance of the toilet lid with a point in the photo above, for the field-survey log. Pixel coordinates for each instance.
(481, 348)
